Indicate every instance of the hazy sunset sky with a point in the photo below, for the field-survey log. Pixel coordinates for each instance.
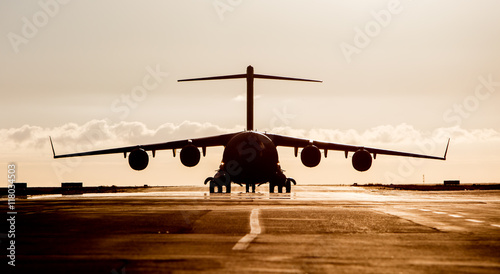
(402, 75)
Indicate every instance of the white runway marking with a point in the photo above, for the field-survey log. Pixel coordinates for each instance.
(255, 230)
(495, 225)
(439, 212)
(474, 221)
(423, 209)
(455, 216)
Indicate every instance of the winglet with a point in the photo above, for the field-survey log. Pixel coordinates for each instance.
(52, 145)
(446, 151)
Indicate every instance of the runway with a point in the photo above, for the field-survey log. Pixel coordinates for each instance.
(316, 229)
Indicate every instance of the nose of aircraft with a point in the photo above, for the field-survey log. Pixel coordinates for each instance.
(250, 157)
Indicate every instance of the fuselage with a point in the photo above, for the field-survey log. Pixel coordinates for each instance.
(250, 158)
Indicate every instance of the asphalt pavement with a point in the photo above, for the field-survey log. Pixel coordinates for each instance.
(316, 229)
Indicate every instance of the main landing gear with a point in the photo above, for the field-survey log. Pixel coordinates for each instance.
(222, 180)
(286, 183)
(218, 184)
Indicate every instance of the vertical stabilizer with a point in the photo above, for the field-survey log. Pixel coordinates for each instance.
(250, 76)
(250, 98)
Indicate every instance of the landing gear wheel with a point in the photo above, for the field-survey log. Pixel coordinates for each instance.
(271, 187)
(288, 186)
(213, 185)
(280, 188)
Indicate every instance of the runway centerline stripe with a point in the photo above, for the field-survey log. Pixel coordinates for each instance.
(255, 230)
(455, 216)
(495, 225)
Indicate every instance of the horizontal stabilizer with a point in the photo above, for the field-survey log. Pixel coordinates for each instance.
(235, 76)
(239, 76)
(261, 76)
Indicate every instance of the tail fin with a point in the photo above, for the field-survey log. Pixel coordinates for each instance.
(249, 76)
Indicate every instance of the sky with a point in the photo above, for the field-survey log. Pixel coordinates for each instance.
(401, 75)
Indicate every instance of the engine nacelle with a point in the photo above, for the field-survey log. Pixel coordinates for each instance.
(190, 155)
(138, 159)
(310, 156)
(361, 160)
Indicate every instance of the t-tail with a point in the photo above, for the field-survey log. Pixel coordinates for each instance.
(250, 76)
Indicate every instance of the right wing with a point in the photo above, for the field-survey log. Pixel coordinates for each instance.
(287, 141)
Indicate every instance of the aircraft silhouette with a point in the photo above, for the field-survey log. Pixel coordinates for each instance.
(250, 157)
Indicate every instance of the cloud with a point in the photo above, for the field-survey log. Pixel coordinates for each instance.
(102, 133)
(390, 134)
(98, 134)
(473, 153)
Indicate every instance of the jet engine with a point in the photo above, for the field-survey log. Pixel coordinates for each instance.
(138, 159)
(310, 156)
(361, 160)
(190, 155)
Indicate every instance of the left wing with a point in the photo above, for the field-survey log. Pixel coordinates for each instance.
(286, 141)
(219, 140)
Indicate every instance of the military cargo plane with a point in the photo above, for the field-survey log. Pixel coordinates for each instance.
(250, 157)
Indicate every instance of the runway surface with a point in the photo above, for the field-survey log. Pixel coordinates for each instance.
(313, 230)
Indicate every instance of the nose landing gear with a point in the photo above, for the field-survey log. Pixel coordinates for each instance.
(248, 188)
